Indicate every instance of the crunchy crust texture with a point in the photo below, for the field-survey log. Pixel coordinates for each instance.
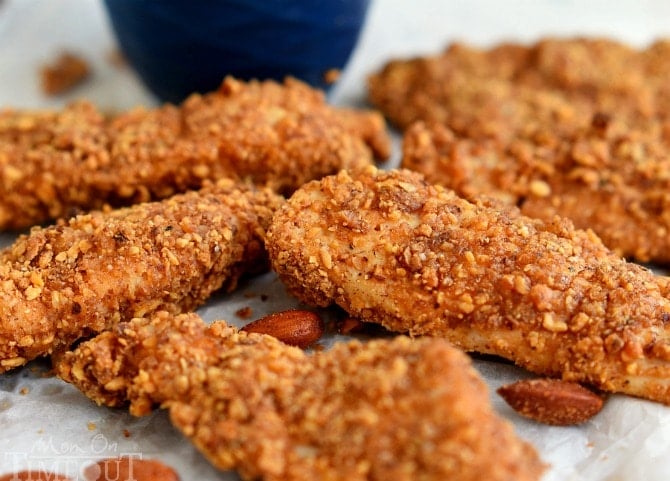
(390, 248)
(499, 92)
(390, 409)
(84, 275)
(613, 182)
(574, 127)
(56, 163)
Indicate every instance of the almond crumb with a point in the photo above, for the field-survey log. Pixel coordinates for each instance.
(244, 312)
(66, 72)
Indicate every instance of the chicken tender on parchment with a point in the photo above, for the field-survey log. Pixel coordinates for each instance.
(509, 88)
(576, 127)
(397, 409)
(613, 181)
(86, 274)
(54, 163)
(390, 248)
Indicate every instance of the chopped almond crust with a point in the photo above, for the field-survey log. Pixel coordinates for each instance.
(577, 127)
(390, 248)
(511, 88)
(84, 275)
(56, 163)
(397, 409)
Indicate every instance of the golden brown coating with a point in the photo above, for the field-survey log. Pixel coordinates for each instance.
(86, 274)
(397, 409)
(390, 248)
(574, 127)
(615, 182)
(53, 163)
(510, 88)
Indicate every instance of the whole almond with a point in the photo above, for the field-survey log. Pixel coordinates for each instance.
(294, 327)
(552, 401)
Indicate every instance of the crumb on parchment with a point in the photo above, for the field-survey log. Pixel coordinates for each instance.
(65, 72)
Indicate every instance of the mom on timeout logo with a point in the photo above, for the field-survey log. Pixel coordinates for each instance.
(50, 461)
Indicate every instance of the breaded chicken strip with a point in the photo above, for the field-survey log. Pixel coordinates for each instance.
(390, 409)
(502, 91)
(84, 275)
(612, 181)
(390, 248)
(279, 135)
(575, 127)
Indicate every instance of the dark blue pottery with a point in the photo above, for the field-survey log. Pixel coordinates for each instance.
(182, 46)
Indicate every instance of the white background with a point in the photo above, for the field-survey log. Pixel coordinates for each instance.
(50, 425)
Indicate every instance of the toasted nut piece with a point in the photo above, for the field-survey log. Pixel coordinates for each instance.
(552, 401)
(351, 325)
(34, 476)
(66, 72)
(130, 468)
(294, 327)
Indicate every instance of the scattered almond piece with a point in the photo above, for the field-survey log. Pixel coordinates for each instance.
(33, 476)
(552, 401)
(350, 325)
(67, 71)
(332, 75)
(294, 327)
(126, 468)
(244, 312)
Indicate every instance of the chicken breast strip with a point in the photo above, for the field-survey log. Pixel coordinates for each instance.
(390, 248)
(576, 127)
(610, 180)
(84, 275)
(389, 409)
(502, 91)
(56, 163)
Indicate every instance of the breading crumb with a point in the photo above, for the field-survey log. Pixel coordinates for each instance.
(67, 71)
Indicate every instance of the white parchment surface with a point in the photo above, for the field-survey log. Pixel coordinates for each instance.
(47, 424)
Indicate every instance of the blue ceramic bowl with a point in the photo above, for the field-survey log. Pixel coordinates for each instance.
(182, 46)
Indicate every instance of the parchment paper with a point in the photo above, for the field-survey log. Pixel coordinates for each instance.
(47, 424)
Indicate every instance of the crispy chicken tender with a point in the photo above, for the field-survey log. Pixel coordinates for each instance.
(86, 274)
(390, 248)
(574, 127)
(397, 409)
(511, 88)
(54, 163)
(616, 183)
